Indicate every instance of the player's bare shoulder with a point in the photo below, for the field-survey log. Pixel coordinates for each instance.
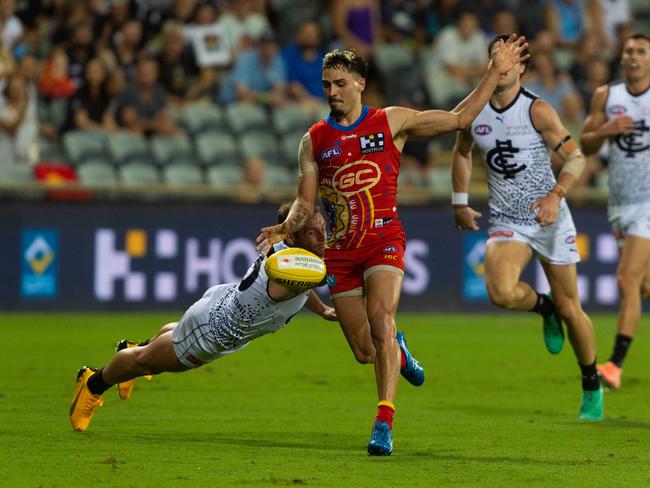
(543, 115)
(599, 99)
(306, 161)
(397, 118)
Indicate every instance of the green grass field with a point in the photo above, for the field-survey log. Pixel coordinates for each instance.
(294, 408)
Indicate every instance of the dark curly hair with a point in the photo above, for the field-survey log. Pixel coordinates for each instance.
(346, 60)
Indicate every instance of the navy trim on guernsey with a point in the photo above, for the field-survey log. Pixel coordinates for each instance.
(534, 97)
(514, 100)
(347, 128)
(636, 95)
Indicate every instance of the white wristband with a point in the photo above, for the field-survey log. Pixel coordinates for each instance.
(459, 198)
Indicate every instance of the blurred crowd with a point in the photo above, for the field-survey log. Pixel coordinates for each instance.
(188, 82)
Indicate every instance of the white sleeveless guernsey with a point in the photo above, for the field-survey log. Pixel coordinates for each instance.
(629, 154)
(231, 315)
(518, 160)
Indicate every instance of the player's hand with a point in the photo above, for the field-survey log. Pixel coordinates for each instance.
(618, 125)
(546, 209)
(329, 313)
(465, 218)
(509, 53)
(269, 236)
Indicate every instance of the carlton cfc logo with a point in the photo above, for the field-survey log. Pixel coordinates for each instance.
(356, 177)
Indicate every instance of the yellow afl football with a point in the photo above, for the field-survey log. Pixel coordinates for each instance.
(295, 268)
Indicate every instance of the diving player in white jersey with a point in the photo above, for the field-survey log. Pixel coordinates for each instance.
(620, 113)
(223, 321)
(529, 216)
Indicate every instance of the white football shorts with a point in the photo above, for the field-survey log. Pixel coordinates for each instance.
(555, 244)
(192, 337)
(629, 220)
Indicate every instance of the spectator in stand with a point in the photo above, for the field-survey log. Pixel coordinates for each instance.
(126, 46)
(303, 59)
(357, 24)
(142, 108)
(503, 22)
(18, 123)
(597, 74)
(259, 75)
(152, 14)
(183, 10)
(109, 26)
(485, 10)
(606, 16)
(209, 39)
(459, 62)
(54, 81)
(287, 15)
(12, 28)
(440, 15)
(80, 50)
(588, 49)
(403, 22)
(623, 32)
(566, 20)
(91, 108)
(243, 25)
(547, 81)
(29, 67)
(180, 76)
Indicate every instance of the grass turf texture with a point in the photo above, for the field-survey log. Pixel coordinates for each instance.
(295, 409)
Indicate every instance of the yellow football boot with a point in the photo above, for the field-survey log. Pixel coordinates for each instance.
(83, 402)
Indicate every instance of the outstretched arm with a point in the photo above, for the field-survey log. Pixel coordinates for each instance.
(303, 206)
(316, 305)
(461, 172)
(597, 128)
(547, 122)
(407, 123)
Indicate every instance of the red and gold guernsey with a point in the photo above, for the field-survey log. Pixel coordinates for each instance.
(358, 168)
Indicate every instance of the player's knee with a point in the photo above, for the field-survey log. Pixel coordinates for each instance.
(501, 296)
(382, 331)
(628, 282)
(363, 356)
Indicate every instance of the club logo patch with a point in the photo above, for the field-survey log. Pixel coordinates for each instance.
(372, 143)
(390, 249)
(482, 130)
(617, 109)
(356, 177)
(330, 153)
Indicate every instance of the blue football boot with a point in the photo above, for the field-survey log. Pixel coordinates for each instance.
(413, 371)
(381, 440)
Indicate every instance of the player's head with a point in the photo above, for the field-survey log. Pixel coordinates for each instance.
(311, 237)
(513, 76)
(344, 79)
(635, 58)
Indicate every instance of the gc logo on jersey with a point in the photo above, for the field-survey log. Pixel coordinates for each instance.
(356, 177)
(372, 143)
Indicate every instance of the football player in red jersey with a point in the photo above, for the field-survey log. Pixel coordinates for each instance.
(353, 158)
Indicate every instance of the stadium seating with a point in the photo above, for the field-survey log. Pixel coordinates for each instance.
(125, 146)
(224, 177)
(138, 173)
(96, 173)
(291, 118)
(172, 149)
(16, 173)
(216, 148)
(79, 145)
(278, 177)
(263, 145)
(182, 175)
(289, 146)
(201, 117)
(246, 118)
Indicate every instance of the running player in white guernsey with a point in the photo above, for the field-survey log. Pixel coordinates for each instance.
(529, 216)
(223, 321)
(620, 113)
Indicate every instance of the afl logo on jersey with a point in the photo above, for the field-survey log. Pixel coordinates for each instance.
(356, 177)
(482, 130)
(330, 153)
(617, 109)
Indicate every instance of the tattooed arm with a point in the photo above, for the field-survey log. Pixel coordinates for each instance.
(303, 206)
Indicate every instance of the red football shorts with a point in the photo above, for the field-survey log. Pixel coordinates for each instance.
(347, 268)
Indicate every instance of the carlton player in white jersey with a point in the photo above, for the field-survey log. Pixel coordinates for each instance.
(620, 113)
(529, 216)
(223, 321)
